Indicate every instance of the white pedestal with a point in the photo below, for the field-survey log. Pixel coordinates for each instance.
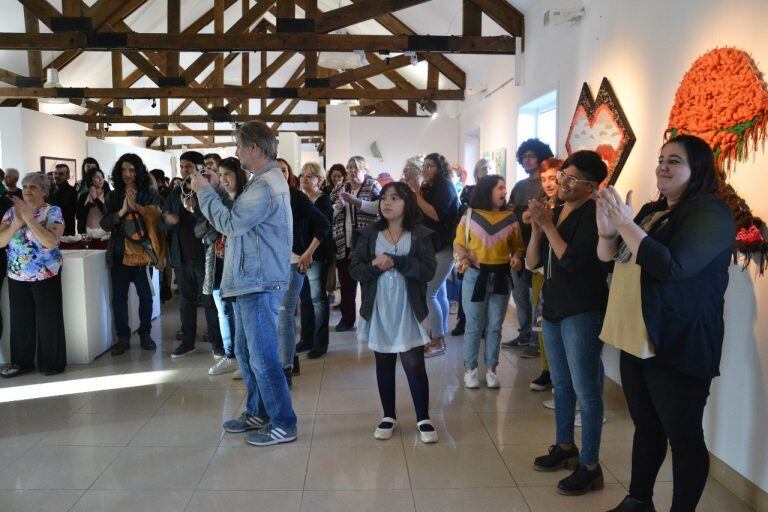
(87, 304)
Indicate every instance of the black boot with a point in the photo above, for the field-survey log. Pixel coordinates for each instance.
(459, 329)
(121, 346)
(303, 346)
(288, 377)
(317, 352)
(147, 343)
(296, 368)
(581, 481)
(557, 458)
(630, 505)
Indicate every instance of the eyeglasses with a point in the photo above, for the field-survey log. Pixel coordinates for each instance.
(570, 180)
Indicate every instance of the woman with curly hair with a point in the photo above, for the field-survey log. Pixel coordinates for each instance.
(439, 202)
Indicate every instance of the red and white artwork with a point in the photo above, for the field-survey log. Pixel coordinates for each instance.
(600, 125)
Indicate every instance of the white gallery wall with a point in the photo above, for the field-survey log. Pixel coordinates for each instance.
(644, 49)
(107, 153)
(399, 138)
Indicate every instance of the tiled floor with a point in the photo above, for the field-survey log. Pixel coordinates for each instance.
(143, 433)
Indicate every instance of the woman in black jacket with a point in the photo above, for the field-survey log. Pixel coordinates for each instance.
(671, 271)
(393, 261)
(314, 298)
(310, 227)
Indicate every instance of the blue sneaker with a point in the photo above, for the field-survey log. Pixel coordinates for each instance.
(245, 422)
(271, 435)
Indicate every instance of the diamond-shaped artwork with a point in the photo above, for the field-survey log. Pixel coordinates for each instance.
(599, 124)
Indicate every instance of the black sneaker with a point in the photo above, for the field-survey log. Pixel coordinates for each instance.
(517, 342)
(147, 343)
(541, 383)
(557, 458)
(459, 329)
(317, 352)
(303, 346)
(342, 327)
(630, 505)
(182, 351)
(121, 346)
(581, 481)
(288, 377)
(296, 367)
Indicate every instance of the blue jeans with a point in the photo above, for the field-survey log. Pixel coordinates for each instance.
(226, 323)
(437, 296)
(521, 294)
(482, 316)
(256, 350)
(287, 318)
(314, 306)
(573, 350)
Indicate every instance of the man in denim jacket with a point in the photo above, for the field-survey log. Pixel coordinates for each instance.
(258, 227)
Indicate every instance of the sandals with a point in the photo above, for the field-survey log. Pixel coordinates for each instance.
(427, 432)
(385, 429)
(12, 371)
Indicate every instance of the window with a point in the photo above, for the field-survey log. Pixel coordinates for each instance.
(537, 119)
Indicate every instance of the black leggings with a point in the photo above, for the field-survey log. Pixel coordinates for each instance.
(415, 371)
(666, 405)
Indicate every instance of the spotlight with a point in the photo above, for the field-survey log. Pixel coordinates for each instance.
(154, 103)
(434, 115)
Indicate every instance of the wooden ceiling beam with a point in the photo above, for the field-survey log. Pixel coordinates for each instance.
(180, 133)
(42, 10)
(190, 118)
(504, 45)
(372, 69)
(505, 15)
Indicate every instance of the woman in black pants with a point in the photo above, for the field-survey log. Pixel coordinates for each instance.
(671, 274)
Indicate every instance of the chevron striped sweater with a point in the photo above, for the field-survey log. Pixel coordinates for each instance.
(493, 236)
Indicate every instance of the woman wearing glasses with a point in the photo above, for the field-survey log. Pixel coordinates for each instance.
(575, 294)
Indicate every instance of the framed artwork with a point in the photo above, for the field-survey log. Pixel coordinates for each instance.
(499, 159)
(600, 124)
(49, 163)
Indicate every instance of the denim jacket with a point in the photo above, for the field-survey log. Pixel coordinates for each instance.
(259, 231)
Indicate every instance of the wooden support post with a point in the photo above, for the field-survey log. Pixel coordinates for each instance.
(472, 19)
(117, 75)
(433, 77)
(34, 57)
(71, 8)
(174, 27)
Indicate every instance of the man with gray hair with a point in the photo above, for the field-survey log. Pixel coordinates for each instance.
(258, 227)
(11, 179)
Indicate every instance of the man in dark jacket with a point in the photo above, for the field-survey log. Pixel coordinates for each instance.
(65, 197)
(187, 257)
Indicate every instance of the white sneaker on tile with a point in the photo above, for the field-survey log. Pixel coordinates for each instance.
(470, 379)
(491, 379)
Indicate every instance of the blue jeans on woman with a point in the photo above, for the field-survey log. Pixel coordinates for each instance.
(573, 350)
(226, 323)
(437, 295)
(487, 316)
(314, 306)
(287, 317)
(257, 353)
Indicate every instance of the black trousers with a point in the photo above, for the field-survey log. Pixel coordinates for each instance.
(315, 310)
(348, 292)
(38, 324)
(666, 406)
(190, 276)
(418, 382)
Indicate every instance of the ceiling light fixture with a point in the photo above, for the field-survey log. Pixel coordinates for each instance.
(414, 58)
(154, 103)
(52, 82)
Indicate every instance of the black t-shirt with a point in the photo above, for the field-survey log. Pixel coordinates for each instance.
(576, 283)
(441, 194)
(191, 246)
(523, 191)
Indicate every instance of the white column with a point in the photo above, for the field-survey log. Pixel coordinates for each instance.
(289, 147)
(337, 122)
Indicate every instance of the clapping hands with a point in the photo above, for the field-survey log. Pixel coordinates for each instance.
(612, 211)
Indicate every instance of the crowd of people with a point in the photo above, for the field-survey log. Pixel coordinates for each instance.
(251, 242)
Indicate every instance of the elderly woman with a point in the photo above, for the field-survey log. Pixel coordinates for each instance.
(31, 230)
(348, 218)
(665, 313)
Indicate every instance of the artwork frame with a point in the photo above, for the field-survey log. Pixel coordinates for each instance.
(49, 163)
(615, 146)
(499, 159)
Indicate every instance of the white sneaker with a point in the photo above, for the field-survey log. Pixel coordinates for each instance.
(470, 379)
(385, 429)
(426, 434)
(491, 380)
(578, 420)
(223, 365)
(550, 404)
(238, 375)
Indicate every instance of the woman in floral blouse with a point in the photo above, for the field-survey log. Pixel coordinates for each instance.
(31, 230)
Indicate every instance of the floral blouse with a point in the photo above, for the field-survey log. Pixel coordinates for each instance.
(28, 259)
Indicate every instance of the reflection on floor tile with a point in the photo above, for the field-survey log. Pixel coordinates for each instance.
(161, 447)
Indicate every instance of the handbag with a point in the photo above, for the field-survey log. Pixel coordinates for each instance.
(135, 231)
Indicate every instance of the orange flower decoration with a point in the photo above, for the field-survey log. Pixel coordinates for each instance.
(722, 99)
